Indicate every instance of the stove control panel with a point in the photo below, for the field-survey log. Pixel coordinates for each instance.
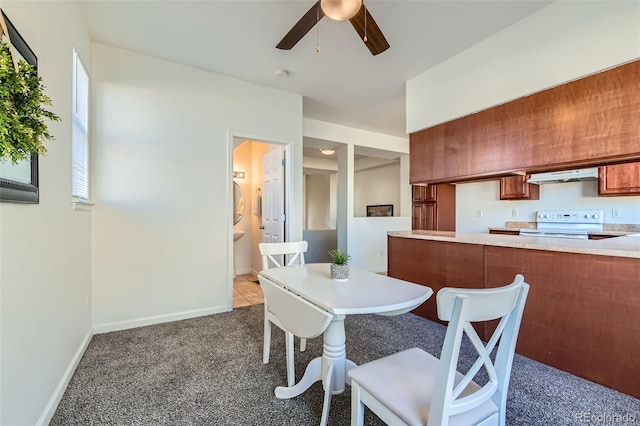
(570, 216)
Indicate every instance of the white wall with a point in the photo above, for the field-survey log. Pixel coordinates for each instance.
(368, 240)
(45, 249)
(379, 185)
(364, 238)
(321, 242)
(485, 196)
(561, 42)
(162, 219)
(352, 136)
(318, 202)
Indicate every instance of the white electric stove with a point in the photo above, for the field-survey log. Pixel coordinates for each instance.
(575, 224)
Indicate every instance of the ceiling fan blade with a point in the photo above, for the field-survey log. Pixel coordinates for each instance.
(302, 27)
(375, 39)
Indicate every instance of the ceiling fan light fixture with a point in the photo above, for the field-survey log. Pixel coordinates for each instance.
(340, 10)
(361, 21)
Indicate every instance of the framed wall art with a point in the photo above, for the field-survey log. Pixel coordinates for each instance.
(19, 182)
(380, 210)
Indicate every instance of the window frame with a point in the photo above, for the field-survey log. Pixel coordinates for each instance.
(77, 60)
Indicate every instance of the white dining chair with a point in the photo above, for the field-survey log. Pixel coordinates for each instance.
(301, 318)
(273, 256)
(413, 387)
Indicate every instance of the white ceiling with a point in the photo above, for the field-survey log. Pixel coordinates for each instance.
(343, 83)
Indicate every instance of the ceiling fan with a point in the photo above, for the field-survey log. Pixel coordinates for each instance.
(340, 10)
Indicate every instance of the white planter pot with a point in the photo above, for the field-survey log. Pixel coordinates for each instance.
(339, 272)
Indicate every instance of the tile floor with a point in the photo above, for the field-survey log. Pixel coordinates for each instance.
(246, 291)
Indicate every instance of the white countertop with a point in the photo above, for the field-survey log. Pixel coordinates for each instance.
(626, 246)
(606, 233)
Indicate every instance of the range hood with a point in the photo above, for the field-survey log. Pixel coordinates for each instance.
(564, 176)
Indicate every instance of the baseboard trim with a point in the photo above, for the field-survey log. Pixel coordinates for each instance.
(56, 397)
(158, 319)
(52, 405)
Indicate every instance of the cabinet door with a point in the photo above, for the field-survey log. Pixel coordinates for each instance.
(446, 208)
(424, 193)
(434, 215)
(619, 179)
(424, 216)
(417, 217)
(517, 188)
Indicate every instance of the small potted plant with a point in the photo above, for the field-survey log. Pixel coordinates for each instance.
(339, 264)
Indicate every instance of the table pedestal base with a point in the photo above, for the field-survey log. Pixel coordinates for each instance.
(331, 368)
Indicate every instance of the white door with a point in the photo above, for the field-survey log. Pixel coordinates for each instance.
(273, 197)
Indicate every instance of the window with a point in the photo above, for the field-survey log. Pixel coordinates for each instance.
(80, 132)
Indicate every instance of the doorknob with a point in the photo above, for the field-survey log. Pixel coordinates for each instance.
(260, 227)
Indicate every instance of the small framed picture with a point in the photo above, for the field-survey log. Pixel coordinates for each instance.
(380, 210)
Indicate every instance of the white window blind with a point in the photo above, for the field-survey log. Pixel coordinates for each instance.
(80, 132)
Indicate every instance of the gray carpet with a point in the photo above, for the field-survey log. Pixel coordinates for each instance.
(209, 371)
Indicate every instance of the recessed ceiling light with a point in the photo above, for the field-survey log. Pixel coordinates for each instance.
(327, 151)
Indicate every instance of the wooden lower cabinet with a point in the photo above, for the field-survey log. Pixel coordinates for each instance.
(581, 315)
(582, 312)
(434, 207)
(435, 264)
(424, 216)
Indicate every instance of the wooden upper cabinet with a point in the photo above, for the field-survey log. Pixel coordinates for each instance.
(517, 188)
(424, 192)
(585, 122)
(619, 179)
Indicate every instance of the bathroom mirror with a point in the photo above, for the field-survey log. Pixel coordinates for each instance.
(238, 203)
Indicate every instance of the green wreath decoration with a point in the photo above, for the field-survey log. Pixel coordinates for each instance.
(22, 109)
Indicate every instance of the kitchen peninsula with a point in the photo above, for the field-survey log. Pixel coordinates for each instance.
(582, 313)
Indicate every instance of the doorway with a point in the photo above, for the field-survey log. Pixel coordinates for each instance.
(247, 173)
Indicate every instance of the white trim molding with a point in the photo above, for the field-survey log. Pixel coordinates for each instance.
(56, 397)
(158, 319)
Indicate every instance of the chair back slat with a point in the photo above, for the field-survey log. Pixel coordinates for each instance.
(486, 304)
(273, 253)
(296, 314)
(452, 394)
(484, 359)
